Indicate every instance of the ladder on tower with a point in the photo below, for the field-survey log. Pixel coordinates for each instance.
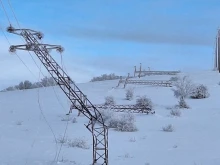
(96, 123)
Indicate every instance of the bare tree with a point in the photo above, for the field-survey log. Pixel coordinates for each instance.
(184, 87)
(109, 100)
(144, 102)
(129, 94)
(182, 103)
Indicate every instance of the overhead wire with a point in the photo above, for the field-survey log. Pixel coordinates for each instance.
(64, 135)
(38, 95)
(10, 5)
(44, 76)
(13, 13)
(17, 55)
(68, 118)
(40, 72)
(63, 67)
(34, 76)
(57, 155)
(45, 119)
(5, 11)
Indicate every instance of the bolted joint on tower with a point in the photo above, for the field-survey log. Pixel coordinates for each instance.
(10, 29)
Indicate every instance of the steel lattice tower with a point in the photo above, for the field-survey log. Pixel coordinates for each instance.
(96, 124)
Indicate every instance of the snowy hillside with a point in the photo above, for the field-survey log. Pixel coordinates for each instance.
(28, 126)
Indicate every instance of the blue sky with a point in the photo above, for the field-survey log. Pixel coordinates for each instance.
(106, 36)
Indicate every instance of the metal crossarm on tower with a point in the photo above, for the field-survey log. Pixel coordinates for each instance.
(96, 123)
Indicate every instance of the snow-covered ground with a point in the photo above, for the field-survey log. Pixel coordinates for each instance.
(28, 127)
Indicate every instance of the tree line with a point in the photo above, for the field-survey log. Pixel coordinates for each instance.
(46, 81)
(49, 81)
(104, 77)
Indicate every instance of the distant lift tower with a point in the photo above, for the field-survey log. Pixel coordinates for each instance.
(96, 123)
(217, 52)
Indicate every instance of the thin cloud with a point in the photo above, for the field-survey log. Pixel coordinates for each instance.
(139, 36)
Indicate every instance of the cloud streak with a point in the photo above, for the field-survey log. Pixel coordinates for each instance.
(138, 36)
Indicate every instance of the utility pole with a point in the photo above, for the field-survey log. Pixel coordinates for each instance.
(96, 123)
